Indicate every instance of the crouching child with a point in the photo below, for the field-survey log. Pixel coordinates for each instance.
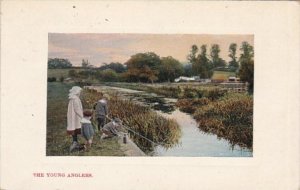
(112, 128)
(87, 129)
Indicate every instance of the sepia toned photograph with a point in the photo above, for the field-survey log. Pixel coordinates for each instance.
(186, 95)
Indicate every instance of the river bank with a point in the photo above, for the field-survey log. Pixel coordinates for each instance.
(193, 141)
(225, 113)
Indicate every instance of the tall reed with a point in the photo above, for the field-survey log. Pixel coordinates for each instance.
(141, 119)
(230, 117)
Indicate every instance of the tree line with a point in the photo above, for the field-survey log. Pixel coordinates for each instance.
(150, 67)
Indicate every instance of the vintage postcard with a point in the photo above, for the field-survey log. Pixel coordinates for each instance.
(150, 95)
(173, 95)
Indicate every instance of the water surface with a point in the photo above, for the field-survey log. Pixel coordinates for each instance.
(193, 142)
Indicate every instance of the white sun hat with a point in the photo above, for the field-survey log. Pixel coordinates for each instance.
(75, 90)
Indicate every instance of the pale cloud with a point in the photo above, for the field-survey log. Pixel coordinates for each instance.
(106, 48)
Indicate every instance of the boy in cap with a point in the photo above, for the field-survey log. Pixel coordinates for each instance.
(101, 109)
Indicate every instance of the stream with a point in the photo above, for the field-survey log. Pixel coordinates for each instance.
(193, 141)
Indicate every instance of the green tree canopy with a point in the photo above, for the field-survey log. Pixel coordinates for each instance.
(201, 66)
(204, 63)
(246, 60)
(170, 69)
(143, 67)
(232, 54)
(215, 59)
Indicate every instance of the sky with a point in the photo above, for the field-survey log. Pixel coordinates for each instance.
(107, 48)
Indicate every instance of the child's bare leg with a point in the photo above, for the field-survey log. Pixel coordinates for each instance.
(90, 141)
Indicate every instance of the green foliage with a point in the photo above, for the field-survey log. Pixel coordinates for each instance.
(51, 79)
(246, 60)
(117, 67)
(230, 117)
(143, 67)
(205, 66)
(192, 56)
(201, 66)
(108, 75)
(214, 93)
(170, 69)
(233, 64)
(57, 63)
(61, 79)
(216, 61)
(188, 70)
(189, 93)
(73, 73)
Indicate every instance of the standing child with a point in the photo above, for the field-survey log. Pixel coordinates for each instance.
(87, 128)
(101, 109)
(74, 116)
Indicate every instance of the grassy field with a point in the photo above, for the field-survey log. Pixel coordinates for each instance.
(58, 142)
(57, 73)
(222, 75)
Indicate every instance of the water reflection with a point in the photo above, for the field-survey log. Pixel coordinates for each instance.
(195, 143)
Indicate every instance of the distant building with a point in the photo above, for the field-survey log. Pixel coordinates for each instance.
(185, 79)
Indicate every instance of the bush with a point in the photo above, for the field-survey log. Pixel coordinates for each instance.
(214, 93)
(190, 93)
(61, 79)
(51, 79)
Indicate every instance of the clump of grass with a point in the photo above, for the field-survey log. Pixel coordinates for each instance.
(140, 119)
(147, 123)
(189, 105)
(230, 117)
(167, 91)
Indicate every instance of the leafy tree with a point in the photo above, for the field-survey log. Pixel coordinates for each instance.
(201, 65)
(246, 60)
(58, 63)
(143, 67)
(232, 54)
(170, 69)
(216, 60)
(205, 66)
(192, 57)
